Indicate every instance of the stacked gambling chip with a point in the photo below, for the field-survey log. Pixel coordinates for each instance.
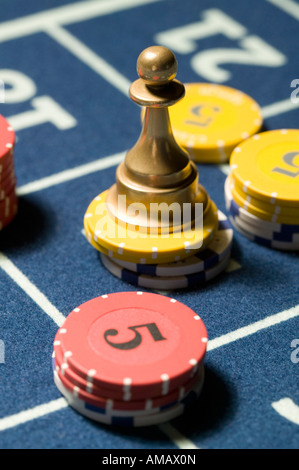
(212, 120)
(8, 197)
(157, 171)
(130, 358)
(262, 191)
(175, 268)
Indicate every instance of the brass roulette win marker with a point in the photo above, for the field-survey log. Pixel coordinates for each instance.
(156, 174)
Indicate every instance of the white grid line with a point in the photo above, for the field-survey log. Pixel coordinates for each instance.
(71, 174)
(64, 15)
(89, 58)
(288, 6)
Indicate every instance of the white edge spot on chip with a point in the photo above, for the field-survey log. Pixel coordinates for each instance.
(139, 293)
(10, 129)
(165, 384)
(109, 404)
(256, 137)
(154, 252)
(76, 309)
(105, 296)
(245, 135)
(237, 150)
(90, 374)
(127, 381)
(88, 214)
(76, 391)
(245, 186)
(67, 355)
(98, 198)
(63, 367)
(273, 198)
(9, 146)
(284, 131)
(193, 363)
(148, 404)
(120, 248)
(204, 340)
(202, 138)
(127, 395)
(220, 143)
(197, 317)
(173, 300)
(57, 343)
(63, 331)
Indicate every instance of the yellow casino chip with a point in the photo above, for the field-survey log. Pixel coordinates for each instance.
(212, 120)
(273, 209)
(260, 213)
(266, 166)
(106, 234)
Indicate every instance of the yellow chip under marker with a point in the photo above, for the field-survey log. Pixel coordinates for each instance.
(212, 120)
(260, 213)
(127, 244)
(270, 208)
(266, 166)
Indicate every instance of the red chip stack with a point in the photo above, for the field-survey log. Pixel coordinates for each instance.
(8, 197)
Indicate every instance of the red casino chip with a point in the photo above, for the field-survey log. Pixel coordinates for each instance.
(87, 392)
(8, 209)
(134, 341)
(7, 187)
(7, 142)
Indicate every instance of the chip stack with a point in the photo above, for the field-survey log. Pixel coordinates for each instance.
(139, 224)
(202, 266)
(262, 191)
(130, 358)
(8, 197)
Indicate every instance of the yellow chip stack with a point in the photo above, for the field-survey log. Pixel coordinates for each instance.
(157, 212)
(262, 191)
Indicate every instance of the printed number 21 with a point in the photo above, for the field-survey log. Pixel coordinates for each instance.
(251, 50)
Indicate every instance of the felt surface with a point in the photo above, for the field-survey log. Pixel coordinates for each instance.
(246, 374)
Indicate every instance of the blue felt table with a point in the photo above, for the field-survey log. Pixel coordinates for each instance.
(78, 59)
